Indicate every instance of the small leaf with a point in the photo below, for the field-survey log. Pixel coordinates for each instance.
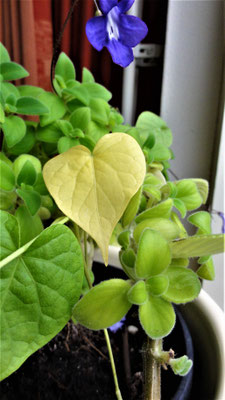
(148, 122)
(197, 246)
(124, 239)
(179, 204)
(176, 219)
(12, 71)
(80, 118)
(184, 285)
(206, 270)
(181, 366)
(7, 89)
(168, 229)
(94, 189)
(87, 75)
(157, 317)
(56, 107)
(30, 106)
(26, 220)
(65, 68)
(153, 254)
(99, 111)
(49, 134)
(203, 188)
(4, 55)
(127, 260)
(29, 91)
(95, 90)
(25, 145)
(104, 305)
(14, 129)
(79, 92)
(66, 143)
(162, 210)
(22, 159)
(31, 198)
(157, 285)
(132, 208)
(27, 174)
(201, 220)
(188, 193)
(7, 181)
(2, 115)
(137, 294)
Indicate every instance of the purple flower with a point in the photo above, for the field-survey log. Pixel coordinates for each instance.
(116, 30)
(117, 325)
(221, 214)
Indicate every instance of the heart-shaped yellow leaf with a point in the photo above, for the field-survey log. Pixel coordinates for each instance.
(94, 189)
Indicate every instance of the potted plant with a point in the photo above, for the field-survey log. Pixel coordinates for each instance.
(77, 178)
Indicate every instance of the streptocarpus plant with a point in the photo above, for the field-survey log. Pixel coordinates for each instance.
(67, 182)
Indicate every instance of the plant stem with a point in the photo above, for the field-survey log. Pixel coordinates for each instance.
(118, 393)
(87, 275)
(152, 370)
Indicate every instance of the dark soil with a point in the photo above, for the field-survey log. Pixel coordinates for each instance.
(75, 365)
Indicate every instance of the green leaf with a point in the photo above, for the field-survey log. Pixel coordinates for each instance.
(137, 294)
(124, 239)
(153, 255)
(160, 153)
(65, 68)
(39, 289)
(179, 204)
(31, 198)
(97, 91)
(56, 107)
(7, 200)
(181, 366)
(96, 131)
(201, 220)
(127, 260)
(99, 111)
(168, 229)
(79, 92)
(2, 115)
(49, 134)
(149, 123)
(104, 305)
(184, 285)
(12, 71)
(22, 159)
(27, 174)
(7, 181)
(87, 75)
(14, 129)
(39, 185)
(29, 91)
(206, 270)
(157, 317)
(157, 285)
(25, 145)
(203, 188)
(80, 118)
(65, 143)
(30, 106)
(6, 159)
(4, 55)
(176, 219)
(26, 220)
(187, 192)
(162, 210)
(197, 246)
(7, 89)
(132, 208)
(65, 127)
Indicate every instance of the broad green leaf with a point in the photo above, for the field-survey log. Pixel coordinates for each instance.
(27, 174)
(30, 106)
(206, 270)
(95, 189)
(184, 285)
(203, 188)
(65, 143)
(157, 317)
(65, 68)
(160, 153)
(7, 89)
(56, 107)
(30, 91)
(201, 220)
(79, 92)
(31, 198)
(6, 159)
(25, 145)
(80, 118)
(162, 210)
(157, 285)
(49, 134)
(4, 55)
(153, 254)
(96, 131)
(188, 193)
(95, 90)
(168, 229)
(22, 159)
(132, 208)
(38, 290)
(14, 129)
(148, 123)
(25, 220)
(87, 75)
(7, 181)
(99, 111)
(104, 305)
(197, 246)
(12, 71)
(137, 294)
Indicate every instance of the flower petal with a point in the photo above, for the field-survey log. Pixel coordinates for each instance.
(96, 32)
(107, 5)
(125, 5)
(132, 30)
(122, 55)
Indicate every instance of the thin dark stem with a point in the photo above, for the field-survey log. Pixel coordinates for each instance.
(58, 40)
(126, 357)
